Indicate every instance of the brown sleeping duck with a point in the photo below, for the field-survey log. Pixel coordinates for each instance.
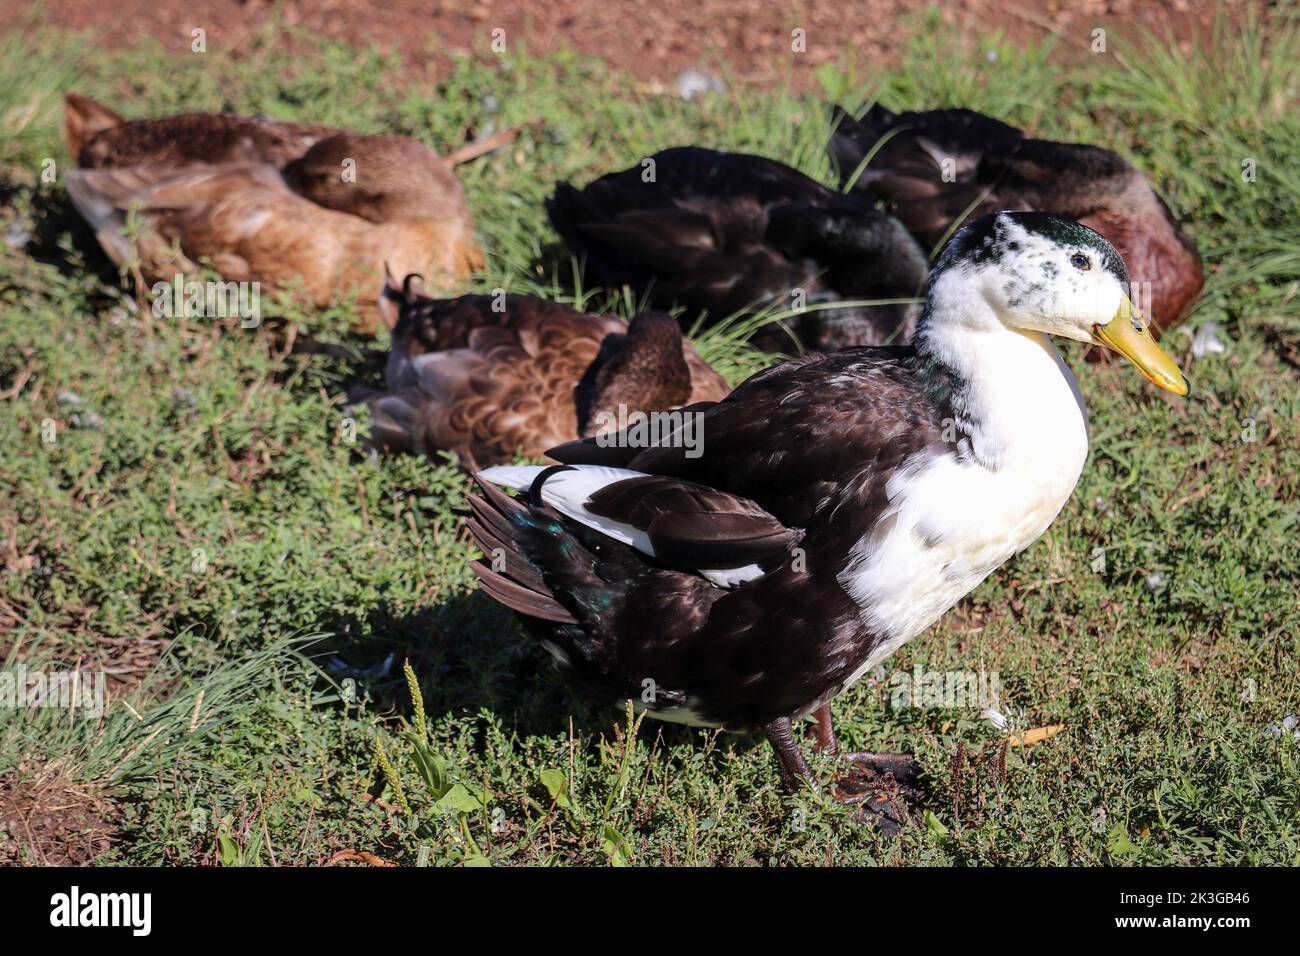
(268, 201)
(933, 169)
(525, 376)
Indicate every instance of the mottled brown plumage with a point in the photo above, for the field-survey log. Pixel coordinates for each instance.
(931, 169)
(268, 201)
(98, 138)
(489, 383)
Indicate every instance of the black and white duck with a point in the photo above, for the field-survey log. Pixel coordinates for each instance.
(842, 503)
(729, 233)
(936, 169)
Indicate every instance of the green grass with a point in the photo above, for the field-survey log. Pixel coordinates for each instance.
(175, 437)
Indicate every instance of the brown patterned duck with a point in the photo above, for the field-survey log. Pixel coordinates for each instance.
(938, 169)
(268, 201)
(489, 377)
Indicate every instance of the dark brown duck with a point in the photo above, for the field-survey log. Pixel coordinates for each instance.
(939, 168)
(491, 377)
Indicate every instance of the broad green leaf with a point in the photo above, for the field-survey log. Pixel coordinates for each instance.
(934, 824)
(557, 784)
(615, 847)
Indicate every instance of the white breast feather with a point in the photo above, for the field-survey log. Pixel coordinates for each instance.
(954, 520)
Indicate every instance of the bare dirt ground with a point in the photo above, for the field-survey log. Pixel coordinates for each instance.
(52, 824)
(655, 40)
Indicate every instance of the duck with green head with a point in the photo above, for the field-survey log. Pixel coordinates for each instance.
(842, 503)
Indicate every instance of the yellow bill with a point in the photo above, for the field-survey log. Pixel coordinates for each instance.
(1129, 335)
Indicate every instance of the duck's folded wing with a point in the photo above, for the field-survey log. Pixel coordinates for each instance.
(240, 216)
(1071, 179)
(796, 436)
(208, 210)
(107, 198)
(475, 403)
(707, 252)
(953, 141)
(155, 187)
(690, 526)
(724, 537)
(662, 238)
(487, 402)
(688, 253)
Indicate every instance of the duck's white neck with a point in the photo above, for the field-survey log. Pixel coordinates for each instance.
(1015, 400)
(1021, 437)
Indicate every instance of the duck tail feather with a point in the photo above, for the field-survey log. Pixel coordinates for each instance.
(495, 527)
(519, 598)
(396, 423)
(538, 565)
(506, 560)
(105, 218)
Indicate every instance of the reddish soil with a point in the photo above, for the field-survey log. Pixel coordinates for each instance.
(52, 824)
(656, 41)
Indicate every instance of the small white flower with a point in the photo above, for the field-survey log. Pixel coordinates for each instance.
(994, 717)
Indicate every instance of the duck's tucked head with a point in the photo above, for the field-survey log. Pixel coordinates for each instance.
(378, 178)
(1038, 272)
(643, 370)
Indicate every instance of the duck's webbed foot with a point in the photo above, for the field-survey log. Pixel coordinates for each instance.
(882, 785)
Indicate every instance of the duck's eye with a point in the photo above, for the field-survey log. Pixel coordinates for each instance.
(1080, 262)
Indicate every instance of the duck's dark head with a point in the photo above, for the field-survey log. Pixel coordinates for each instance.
(644, 371)
(1036, 272)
